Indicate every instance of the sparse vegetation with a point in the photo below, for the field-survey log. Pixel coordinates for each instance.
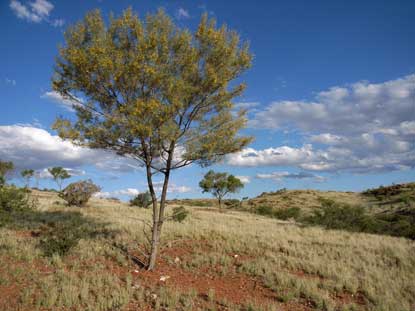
(291, 266)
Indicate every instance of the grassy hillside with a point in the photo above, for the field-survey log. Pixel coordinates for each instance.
(61, 258)
(377, 200)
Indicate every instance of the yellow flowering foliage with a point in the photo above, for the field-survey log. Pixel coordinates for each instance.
(144, 88)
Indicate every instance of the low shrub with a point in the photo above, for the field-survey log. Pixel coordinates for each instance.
(333, 215)
(179, 213)
(79, 193)
(13, 199)
(142, 200)
(287, 213)
(280, 213)
(265, 210)
(232, 203)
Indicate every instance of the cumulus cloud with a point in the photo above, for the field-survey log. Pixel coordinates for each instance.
(36, 12)
(279, 176)
(35, 148)
(361, 128)
(58, 99)
(244, 179)
(182, 13)
(132, 192)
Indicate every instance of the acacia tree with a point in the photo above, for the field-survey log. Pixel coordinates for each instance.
(153, 92)
(27, 174)
(220, 184)
(59, 174)
(6, 167)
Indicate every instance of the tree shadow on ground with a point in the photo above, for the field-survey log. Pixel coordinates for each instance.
(57, 231)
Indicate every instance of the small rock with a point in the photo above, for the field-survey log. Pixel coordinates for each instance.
(136, 271)
(164, 278)
(235, 256)
(153, 296)
(177, 260)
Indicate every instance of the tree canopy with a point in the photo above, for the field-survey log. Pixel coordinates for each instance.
(6, 167)
(59, 174)
(27, 174)
(154, 92)
(220, 184)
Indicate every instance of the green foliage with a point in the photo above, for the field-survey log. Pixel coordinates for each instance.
(150, 88)
(179, 213)
(78, 193)
(142, 200)
(14, 199)
(150, 81)
(287, 213)
(280, 213)
(59, 174)
(335, 215)
(5, 169)
(220, 184)
(265, 210)
(27, 175)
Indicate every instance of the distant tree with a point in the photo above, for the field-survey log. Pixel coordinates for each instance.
(141, 200)
(220, 184)
(59, 174)
(153, 92)
(6, 167)
(27, 175)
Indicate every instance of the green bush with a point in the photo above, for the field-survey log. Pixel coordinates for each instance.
(334, 215)
(13, 199)
(142, 200)
(265, 210)
(179, 213)
(79, 193)
(287, 213)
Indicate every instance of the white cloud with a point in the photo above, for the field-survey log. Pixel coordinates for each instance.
(35, 148)
(244, 179)
(172, 188)
(36, 12)
(362, 128)
(280, 156)
(131, 192)
(182, 13)
(279, 176)
(41, 7)
(59, 22)
(58, 99)
(360, 107)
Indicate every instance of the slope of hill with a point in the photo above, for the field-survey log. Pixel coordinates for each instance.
(378, 200)
(61, 258)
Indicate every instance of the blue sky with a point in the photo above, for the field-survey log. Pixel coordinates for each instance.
(331, 93)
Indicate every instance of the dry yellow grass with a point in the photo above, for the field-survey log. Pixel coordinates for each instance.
(298, 263)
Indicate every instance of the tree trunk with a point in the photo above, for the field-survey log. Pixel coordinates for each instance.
(155, 238)
(158, 213)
